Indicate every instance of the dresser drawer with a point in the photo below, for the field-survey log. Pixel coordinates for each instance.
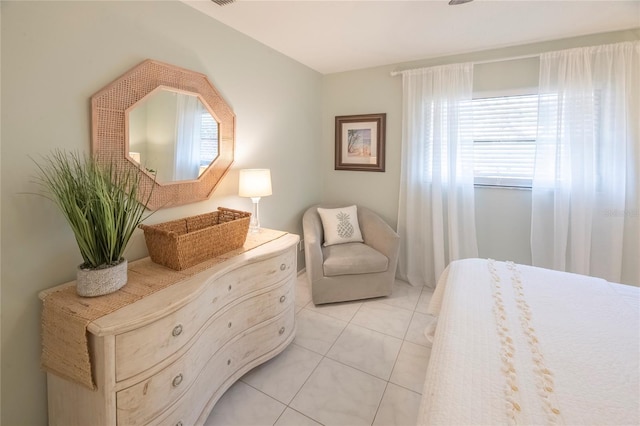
(142, 348)
(225, 368)
(145, 400)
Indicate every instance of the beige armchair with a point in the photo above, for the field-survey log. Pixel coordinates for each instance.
(350, 271)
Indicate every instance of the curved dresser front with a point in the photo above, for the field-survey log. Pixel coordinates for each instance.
(167, 358)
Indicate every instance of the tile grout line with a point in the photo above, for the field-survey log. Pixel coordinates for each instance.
(269, 396)
(413, 314)
(387, 334)
(325, 356)
(298, 391)
(386, 381)
(303, 414)
(356, 368)
(316, 367)
(403, 339)
(396, 360)
(287, 405)
(380, 403)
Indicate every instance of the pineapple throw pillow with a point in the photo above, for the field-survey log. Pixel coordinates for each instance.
(340, 225)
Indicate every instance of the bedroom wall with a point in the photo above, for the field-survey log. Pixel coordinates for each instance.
(0, 219)
(503, 216)
(55, 56)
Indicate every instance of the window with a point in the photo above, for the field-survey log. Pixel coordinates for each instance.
(208, 140)
(504, 135)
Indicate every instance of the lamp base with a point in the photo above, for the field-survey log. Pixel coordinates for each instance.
(254, 223)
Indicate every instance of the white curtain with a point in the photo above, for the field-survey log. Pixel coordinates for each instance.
(436, 216)
(187, 149)
(585, 185)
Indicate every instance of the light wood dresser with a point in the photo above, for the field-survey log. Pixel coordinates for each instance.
(167, 358)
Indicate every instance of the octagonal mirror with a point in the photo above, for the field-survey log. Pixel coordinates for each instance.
(143, 120)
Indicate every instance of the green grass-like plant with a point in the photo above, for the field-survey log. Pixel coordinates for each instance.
(100, 203)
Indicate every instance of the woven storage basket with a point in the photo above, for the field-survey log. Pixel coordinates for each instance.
(182, 243)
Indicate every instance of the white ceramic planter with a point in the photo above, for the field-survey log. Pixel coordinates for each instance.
(98, 282)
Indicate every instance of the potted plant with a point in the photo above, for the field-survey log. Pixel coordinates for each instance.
(101, 205)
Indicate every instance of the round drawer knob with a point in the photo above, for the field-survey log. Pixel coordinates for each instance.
(228, 362)
(177, 330)
(179, 423)
(283, 298)
(281, 330)
(283, 267)
(229, 324)
(177, 380)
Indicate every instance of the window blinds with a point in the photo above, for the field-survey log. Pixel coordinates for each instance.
(208, 139)
(504, 134)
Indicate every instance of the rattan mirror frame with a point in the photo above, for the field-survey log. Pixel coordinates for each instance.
(109, 140)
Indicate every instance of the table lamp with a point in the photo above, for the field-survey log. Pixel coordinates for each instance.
(254, 183)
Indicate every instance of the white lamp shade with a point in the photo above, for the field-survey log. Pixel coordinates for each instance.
(255, 183)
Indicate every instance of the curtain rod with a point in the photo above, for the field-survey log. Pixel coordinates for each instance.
(487, 61)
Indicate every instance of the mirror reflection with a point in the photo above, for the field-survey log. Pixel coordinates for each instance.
(173, 135)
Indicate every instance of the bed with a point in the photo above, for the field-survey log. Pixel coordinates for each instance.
(517, 344)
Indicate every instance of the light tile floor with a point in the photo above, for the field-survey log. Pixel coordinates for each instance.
(352, 363)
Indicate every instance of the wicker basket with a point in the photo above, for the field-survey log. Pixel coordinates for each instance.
(182, 243)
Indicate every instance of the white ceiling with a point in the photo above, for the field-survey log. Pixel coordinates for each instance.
(335, 36)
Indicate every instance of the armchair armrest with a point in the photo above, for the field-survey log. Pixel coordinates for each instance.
(379, 235)
(313, 239)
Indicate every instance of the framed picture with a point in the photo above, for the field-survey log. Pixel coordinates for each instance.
(360, 142)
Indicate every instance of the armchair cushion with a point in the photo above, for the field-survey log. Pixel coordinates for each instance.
(351, 259)
(340, 225)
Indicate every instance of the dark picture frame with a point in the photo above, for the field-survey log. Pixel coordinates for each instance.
(360, 142)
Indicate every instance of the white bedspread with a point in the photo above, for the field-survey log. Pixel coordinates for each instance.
(516, 344)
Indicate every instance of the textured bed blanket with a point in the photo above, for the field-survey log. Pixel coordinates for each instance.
(516, 344)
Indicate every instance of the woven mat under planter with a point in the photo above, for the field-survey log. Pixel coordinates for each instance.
(65, 315)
